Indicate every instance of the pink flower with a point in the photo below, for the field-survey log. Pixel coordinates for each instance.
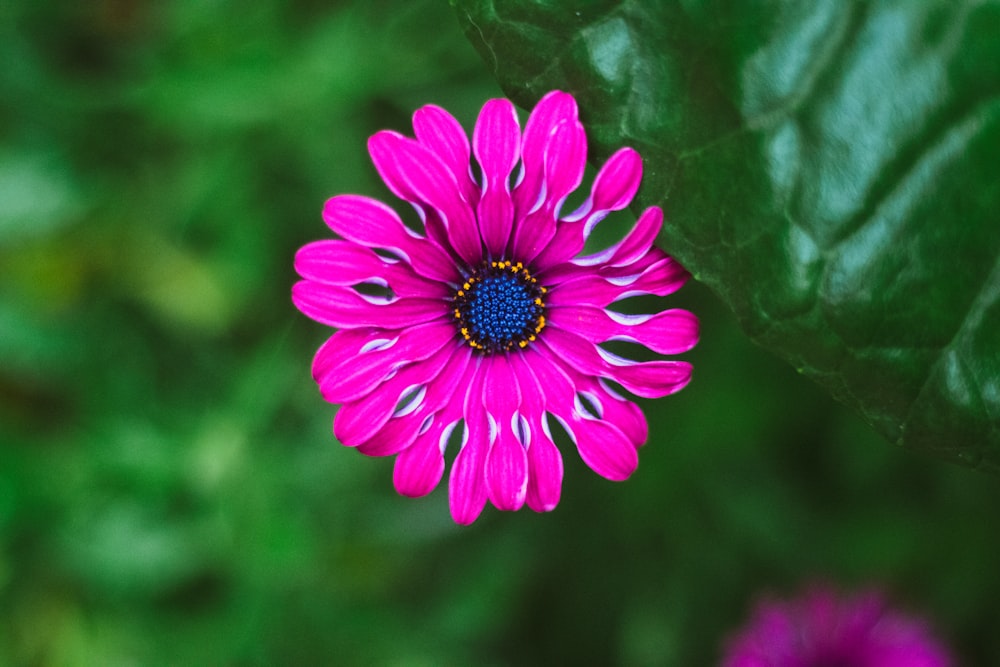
(489, 320)
(821, 629)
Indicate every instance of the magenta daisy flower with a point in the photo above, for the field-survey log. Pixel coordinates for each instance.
(488, 321)
(821, 629)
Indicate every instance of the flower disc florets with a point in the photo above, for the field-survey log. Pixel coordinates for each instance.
(500, 307)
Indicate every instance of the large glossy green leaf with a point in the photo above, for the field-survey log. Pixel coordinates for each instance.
(831, 169)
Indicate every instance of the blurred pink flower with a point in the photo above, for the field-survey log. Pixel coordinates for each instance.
(489, 317)
(822, 629)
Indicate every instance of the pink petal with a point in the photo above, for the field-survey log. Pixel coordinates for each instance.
(649, 379)
(615, 409)
(507, 474)
(545, 465)
(666, 332)
(371, 223)
(442, 134)
(614, 187)
(556, 390)
(496, 144)
(347, 263)
(635, 244)
(355, 422)
(584, 287)
(339, 306)
(605, 449)
(396, 435)
(506, 462)
(545, 470)
(353, 362)
(467, 489)
(467, 485)
(418, 175)
(564, 160)
(602, 445)
(574, 269)
(554, 108)
(402, 429)
(419, 467)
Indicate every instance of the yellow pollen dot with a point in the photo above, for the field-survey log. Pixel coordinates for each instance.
(523, 343)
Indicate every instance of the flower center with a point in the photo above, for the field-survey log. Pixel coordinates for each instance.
(499, 307)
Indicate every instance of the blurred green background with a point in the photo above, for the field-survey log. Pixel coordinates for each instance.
(170, 490)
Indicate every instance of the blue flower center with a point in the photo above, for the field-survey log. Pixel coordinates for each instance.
(499, 307)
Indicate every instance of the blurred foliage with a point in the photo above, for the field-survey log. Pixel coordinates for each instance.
(170, 491)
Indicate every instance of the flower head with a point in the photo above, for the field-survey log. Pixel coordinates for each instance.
(488, 319)
(821, 629)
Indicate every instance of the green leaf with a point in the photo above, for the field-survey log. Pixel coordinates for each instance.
(830, 169)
